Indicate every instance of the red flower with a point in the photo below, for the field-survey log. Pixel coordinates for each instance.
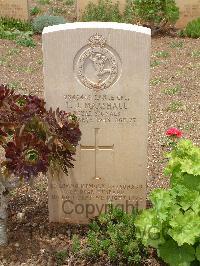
(175, 132)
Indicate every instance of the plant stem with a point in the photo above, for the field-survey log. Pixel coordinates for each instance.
(3, 213)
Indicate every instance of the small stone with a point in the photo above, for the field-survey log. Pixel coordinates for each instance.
(20, 216)
(42, 251)
(16, 245)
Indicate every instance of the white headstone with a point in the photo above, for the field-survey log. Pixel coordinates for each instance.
(100, 71)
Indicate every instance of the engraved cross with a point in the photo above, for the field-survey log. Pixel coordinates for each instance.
(96, 148)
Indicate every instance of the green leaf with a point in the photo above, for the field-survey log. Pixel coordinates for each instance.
(174, 255)
(192, 182)
(185, 227)
(198, 253)
(163, 201)
(149, 228)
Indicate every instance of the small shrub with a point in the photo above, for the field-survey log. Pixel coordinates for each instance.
(156, 14)
(112, 235)
(75, 244)
(35, 10)
(13, 29)
(25, 40)
(8, 24)
(192, 29)
(44, 21)
(60, 257)
(9, 35)
(104, 10)
(129, 14)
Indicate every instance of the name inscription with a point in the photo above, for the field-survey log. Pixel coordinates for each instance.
(100, 108)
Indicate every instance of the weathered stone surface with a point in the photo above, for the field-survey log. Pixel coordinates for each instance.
(100, 71)
(189, 10)
(15, 9)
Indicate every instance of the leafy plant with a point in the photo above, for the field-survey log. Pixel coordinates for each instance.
(113, 235)
(35, 10)
(157, 14)
(156, 81)
(196, 53)
(104, 10)
(75, 244)
(192, 29)
(17, 30)
(172, 90)
(162, 54)
(129, 12)
(172, 226)
(44, 21)
(26, 40)
(175, 106)
(35, 139)
(14, 24)
(176, 44)
(155, 63)
(60, 257)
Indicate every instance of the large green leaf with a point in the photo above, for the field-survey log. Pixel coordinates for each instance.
(198, 253)
(162, 201)
(191, 181)
(149, 228)
(185, 227)
(174, 255)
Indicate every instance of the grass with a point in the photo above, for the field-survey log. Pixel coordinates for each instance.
(175, 106)
(172, 90)
(176, 44)
(155, 63)
(13, 51)
(60, 257)
(4, 61)
(196, 53)
(16, 85)
(162, 54)
(43, 2)
(156, 81)
(26, 69)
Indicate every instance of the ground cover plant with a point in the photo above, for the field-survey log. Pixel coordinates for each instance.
(14, 29)
(192, 29)
(172, 225)
(112, 236)
(32, 239)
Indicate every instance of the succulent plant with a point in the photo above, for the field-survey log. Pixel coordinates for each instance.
(35, 138)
